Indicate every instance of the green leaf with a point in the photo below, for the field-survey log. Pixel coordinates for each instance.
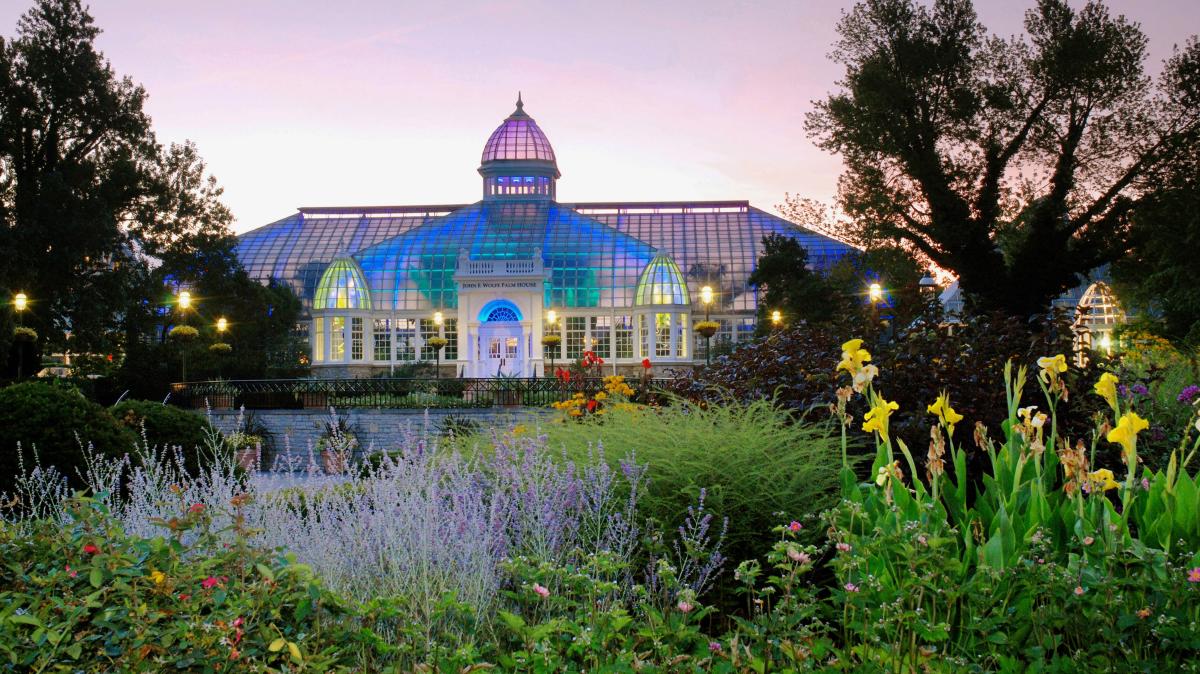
(266, 572)
(25, 620)
(75, 650)
(512, 621)
(96, 577)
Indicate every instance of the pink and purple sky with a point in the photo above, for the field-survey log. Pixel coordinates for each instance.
(384, 102)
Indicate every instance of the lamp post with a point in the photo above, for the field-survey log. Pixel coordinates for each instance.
(776, 319)
(707, 329)
(874, 295)
(20, 303)
(182, 335)
(437, 343)
(552, 340)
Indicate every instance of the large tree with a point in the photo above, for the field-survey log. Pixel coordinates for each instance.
(1013, 162)
(97, 220)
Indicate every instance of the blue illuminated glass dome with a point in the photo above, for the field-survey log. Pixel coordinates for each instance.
(588, 264)
(661, 282)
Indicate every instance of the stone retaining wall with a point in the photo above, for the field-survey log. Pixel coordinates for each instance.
(376, 429)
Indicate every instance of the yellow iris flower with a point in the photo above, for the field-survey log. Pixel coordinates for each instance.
(1125, 434)
(158, 577)
(1107, 388)
(876, 419)
(944, 412)
(1052, 366)
(1103, 479)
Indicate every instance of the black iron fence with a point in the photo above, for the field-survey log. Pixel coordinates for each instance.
(450, 393)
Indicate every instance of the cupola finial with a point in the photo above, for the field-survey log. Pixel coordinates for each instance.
(520, 105)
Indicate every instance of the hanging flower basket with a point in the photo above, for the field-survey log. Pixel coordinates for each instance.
(437, 342)
(24, 334)
(551, 340)
(707, 329)
(183, 333)
(220, 348)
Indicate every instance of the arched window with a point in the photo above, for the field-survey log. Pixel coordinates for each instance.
(502, 314)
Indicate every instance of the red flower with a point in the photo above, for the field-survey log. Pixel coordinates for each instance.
(562, 375)
(91, 549)
(209, 583)
(184, 597)
(646, 363)
(71, 572)
(591, 405)
(196, 508)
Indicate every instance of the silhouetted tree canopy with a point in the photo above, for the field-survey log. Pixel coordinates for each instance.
(1013, 162)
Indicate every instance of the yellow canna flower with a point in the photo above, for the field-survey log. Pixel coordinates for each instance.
(876, 419)
(944, 412)
(1103, 480)
(853, 357)
(1125, 434)
(1107, 388)
(158, 577)
(1052, 366)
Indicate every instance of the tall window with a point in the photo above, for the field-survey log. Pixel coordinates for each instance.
(383, 339)
(450, 332)
(337, 339)
(318, 340)
(576, 331)
(406, 339)
(428, 331)
(662, 335)
(624, 336)
(644, 334)
(600, 331)
(681, 335)
(356, 338)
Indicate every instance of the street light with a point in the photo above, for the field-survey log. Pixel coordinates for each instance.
(776, 318)
(875, 292)
(185, 300)
(437, 342)
(707, 329)
(552, 340)
(222, 325)
(20, 302)
(1106, 344)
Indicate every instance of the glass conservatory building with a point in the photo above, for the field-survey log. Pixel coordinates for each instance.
(495, 277)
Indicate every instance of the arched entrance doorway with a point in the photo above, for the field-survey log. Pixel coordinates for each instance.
(502, 347)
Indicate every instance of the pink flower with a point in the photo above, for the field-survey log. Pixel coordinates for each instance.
(923, 539)
(541, 591)
(196, 508)
(1146, 484)
(714, 647)
(1088, 540)
(798, 556)
(71, 572)
(851, 587)
(795, 526)
(1194, 575)
(91, 549)
(684, 607)
(844, 547)
(209, 583)
(1079, 591)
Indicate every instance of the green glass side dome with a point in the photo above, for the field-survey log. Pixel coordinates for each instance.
(342, 286)
(661, 283)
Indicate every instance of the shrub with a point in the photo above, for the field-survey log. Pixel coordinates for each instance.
(54, 419)
(169, 427)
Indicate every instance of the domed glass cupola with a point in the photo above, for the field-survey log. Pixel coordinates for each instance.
(661, 306)
(518, 160)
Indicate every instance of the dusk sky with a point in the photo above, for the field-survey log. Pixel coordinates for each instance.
(372, 103)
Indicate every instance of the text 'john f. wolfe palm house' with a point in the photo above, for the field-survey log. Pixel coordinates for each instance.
(495, 277)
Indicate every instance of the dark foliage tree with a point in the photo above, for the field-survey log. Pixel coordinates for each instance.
(1014, 163)
(99, 223)
(787, 284)
(1158, 279)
